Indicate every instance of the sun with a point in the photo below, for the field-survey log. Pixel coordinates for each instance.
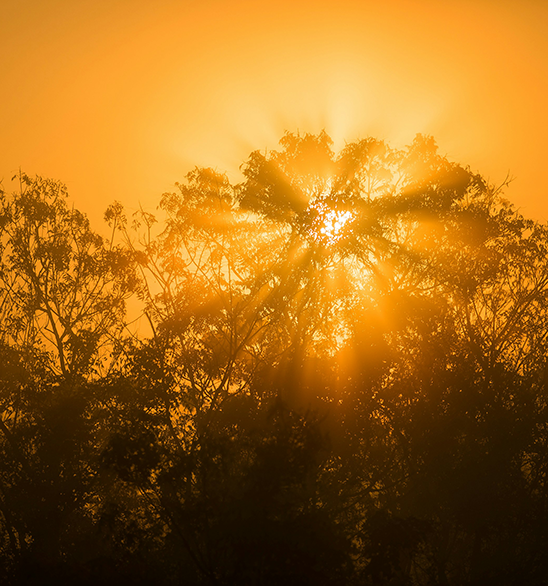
(330, 225)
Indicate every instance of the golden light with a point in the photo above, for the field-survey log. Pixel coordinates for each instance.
(330, 224)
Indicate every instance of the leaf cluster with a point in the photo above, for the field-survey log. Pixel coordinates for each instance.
(368, 408)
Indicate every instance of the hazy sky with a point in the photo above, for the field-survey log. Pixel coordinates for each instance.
(121, 98)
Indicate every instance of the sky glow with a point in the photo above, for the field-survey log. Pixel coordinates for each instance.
(120, 99)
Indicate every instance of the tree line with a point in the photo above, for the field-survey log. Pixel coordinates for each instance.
(343, 378)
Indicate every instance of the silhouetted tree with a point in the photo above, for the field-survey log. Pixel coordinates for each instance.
(344, 380)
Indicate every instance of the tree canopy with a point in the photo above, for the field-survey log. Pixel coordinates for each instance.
(344, 379)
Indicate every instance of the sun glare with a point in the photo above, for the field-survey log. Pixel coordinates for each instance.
(330, 225)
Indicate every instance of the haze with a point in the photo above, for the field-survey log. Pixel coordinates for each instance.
(119, 99)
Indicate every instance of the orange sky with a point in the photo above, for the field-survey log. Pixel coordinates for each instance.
(121, 98)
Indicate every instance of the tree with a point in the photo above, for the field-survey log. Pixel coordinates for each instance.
(62, 295)
(63, 286)
(344, 381)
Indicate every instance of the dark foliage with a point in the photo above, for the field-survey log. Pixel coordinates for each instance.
(343, 380)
